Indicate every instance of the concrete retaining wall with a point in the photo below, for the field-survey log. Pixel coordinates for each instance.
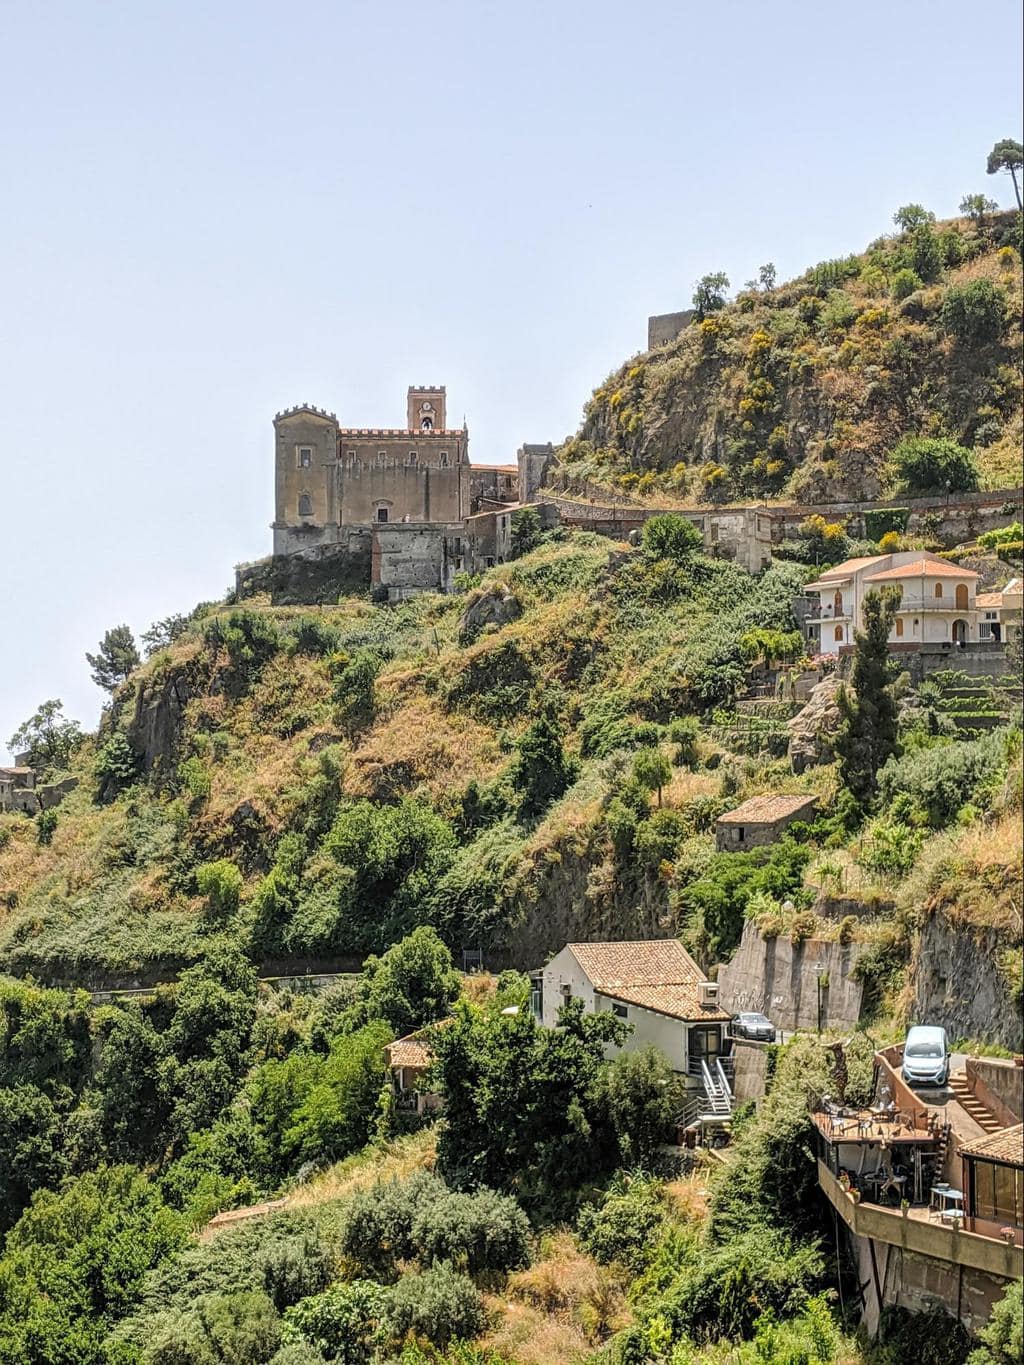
(781, 979)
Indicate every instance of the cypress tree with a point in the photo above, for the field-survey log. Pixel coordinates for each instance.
(867, 735)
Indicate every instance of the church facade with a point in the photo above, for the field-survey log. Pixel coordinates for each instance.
(329, 478)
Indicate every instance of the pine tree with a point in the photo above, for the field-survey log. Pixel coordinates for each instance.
(115, 659)
(867, 735)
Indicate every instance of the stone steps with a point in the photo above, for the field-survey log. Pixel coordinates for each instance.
(971, 1105)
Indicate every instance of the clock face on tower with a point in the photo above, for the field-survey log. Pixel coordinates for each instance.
(427, 407)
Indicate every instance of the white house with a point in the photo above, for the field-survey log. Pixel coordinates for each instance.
(654, 985)
(937, 603)
(1000, 613)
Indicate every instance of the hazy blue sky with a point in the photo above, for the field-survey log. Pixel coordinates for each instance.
(212, 210)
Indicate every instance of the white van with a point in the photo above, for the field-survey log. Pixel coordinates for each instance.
(926, 1056)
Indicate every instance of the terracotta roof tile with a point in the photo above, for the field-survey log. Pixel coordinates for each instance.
(850, 566)
(410, 1051)
(767, 809)
(644, 962)
(1006, 1145)
(989, 599)
(928, 568)
(678, 1001)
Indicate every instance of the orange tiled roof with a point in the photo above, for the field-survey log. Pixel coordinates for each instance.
(765, 810)
(643, 962)
(850, 566)
(989, 599)
(410, 1051)
(677, 1000)
(1007, 1146)
(929, 568)
(656, 974)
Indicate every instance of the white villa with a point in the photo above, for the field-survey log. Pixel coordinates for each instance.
(653, 985)
(938, 604)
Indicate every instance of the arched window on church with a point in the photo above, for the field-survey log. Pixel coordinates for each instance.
(427, 424)
(443, 459)
(413, 458)
(839, 633)
(305, 505)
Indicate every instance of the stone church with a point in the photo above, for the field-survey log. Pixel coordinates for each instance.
(329, 478)
(403, 505)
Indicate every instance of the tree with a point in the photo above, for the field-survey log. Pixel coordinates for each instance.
(766, 277)
(709, 295)
(867, 732)
(115, 659)
(904, 283)
(642, 1094)
(652, 770)
(974, 312)
(526, 530)
(74, 1263)
(670, 536)
(48, 738)
(1003, 1334)
(1007, 155)
(541, 771)
(521, 1115)
(927, 464)
(163, 634)
(975, 207)
(912, 216)
(412, 984)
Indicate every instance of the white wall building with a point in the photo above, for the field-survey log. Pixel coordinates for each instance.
(653, 985)
(937, 604)
(1000, 613)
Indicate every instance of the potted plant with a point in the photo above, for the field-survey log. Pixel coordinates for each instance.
(1007, 1234)
(905, 1207)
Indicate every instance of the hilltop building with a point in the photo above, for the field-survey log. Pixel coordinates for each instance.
(402, 505)
(937, 601)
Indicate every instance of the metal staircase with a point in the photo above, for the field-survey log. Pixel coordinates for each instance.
(717, 1089)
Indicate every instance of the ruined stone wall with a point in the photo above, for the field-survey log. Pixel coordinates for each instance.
(665, 327)
(956, 985)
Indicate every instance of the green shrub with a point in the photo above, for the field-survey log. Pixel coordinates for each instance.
(926, 464)
(217, 1330)
(624, 1226)
(879, 521)
(941, 779)
(905, 283)
(221, 884)
(342, 1322)
(478, 1233)
(974, 312)
(46, 825)
(1005, 535)
(671, 536)
(438, 1304)
(117, 765)
(314, 636)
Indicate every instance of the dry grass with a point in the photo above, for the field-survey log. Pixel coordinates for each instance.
(558, 1309)
(396, 1161)
(417, 745)
(974, 875)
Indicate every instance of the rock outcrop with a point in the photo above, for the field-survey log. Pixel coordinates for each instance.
(813, 729)
(496, 607)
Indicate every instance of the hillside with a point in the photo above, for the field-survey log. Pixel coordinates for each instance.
(802, 390)
(541, 759)
(358, 771)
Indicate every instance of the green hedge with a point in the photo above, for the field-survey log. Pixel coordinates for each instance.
(880, 520)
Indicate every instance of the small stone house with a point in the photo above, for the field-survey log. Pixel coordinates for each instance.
(18, 789)
(761, 821)
(1000, 614)
(408, 1060)
(653, 985)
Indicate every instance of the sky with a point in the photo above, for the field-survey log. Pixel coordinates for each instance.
(212, 210)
